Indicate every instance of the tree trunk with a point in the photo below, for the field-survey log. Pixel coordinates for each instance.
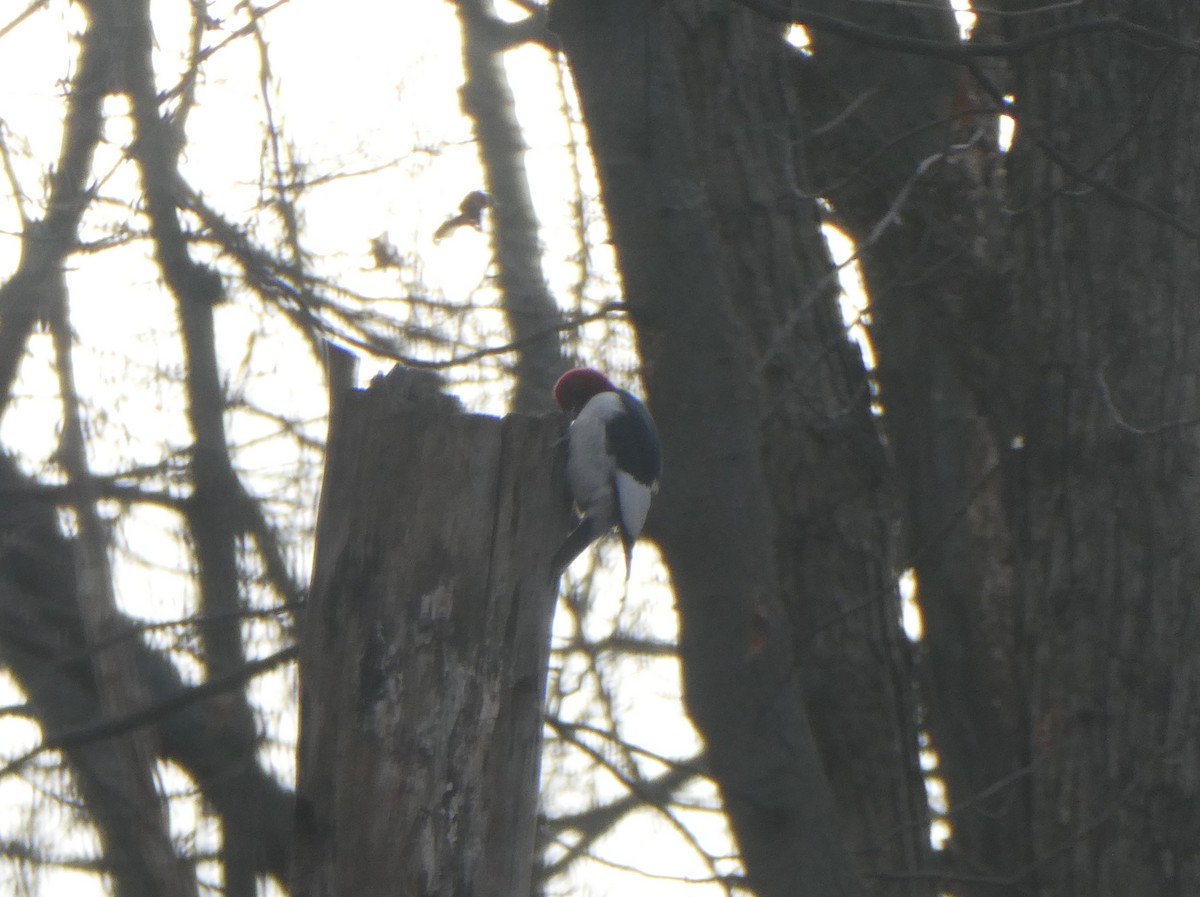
(1103, 492)
(919, 190)
(1036, 362)
(832, 501)
(656, 151)
(423, 656)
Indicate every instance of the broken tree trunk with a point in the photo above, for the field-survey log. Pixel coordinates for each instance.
(423, 655)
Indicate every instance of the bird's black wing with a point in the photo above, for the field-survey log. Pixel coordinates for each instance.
(633, 441)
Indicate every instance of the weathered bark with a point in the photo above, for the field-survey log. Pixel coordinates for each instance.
(530, 310)
(714, 519)
(1103, 495)
(424, 651)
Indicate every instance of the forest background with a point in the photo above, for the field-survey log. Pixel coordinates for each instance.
(198, 200)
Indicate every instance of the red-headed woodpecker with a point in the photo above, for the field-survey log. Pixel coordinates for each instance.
(613, 461)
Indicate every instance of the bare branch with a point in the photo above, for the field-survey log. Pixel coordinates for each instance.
(154, 713)
(22, 16)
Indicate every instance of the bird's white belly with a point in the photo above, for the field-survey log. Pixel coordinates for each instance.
(590, 471)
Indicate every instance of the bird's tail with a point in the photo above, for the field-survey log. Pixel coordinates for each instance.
(581, 537)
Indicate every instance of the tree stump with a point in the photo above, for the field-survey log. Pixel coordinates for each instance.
(424, 649)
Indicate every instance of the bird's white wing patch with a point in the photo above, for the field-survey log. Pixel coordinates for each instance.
(633, 503)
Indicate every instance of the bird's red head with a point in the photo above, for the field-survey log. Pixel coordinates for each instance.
(576, 387)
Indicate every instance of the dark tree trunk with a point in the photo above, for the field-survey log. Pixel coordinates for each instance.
(425, 646)
(1035, 359)
(1103, 494)
(830, 496)
(772, 517)
(904, 148)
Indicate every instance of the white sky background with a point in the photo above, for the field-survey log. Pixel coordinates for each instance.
(356, 87)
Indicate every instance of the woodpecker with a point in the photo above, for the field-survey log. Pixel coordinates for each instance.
(614, 461)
